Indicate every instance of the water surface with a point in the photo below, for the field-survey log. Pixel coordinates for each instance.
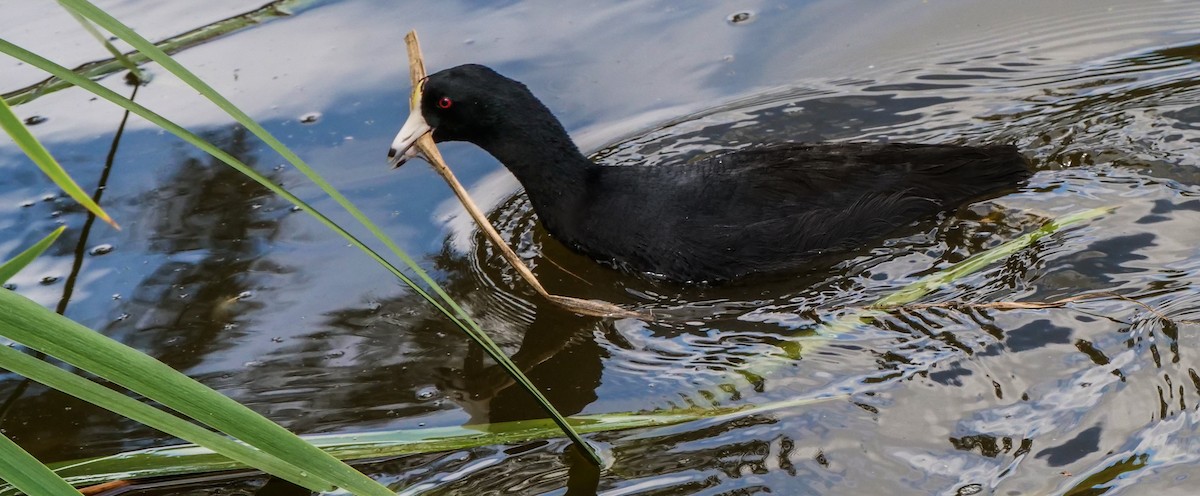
(219, 279)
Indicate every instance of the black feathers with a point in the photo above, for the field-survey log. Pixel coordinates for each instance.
(758, 210)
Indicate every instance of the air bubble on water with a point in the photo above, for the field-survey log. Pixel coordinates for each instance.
(103, 249)
(742, 17)
(427, 393)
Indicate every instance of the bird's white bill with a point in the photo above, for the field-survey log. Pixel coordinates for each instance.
(403, 147)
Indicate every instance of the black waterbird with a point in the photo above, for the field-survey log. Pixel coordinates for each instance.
(758, 210)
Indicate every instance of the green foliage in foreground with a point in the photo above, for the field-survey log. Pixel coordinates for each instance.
(25, 473)
(187, 459)
(34, 326)
(265, 445)
(282, 453)
(447, 306)
(42, 158)
(11, 267)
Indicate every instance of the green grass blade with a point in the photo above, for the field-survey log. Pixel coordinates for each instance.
(158, 55)
(190, 460)
(96, 394)
(96, 70)
(28, 323)
(459, 316)
(117, 55)
(158, 120)
(40, 156)
(15, 264)
(25, 472)
(933, 282)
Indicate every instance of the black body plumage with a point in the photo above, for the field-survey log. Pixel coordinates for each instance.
(763, 209)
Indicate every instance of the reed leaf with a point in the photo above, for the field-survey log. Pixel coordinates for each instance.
(42, 158)
(32, 325)
(108, 46)
(27, 474)
(224, 27)
(939, 279)
(458, 316)
(66, 75)
(190, 459)
(116, 402)
(156, 54)
(15, 264)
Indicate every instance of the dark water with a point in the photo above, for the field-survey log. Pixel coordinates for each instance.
(217, 278)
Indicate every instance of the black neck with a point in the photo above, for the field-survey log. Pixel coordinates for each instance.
(540, 153)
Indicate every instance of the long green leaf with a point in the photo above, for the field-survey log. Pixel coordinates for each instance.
(40, 156)
(100, 38)
(184, 460)
(28, 323)
(933, 282)
(96, 394)
(190, 460)
(284, 445)
(459, 316)
(224, 27)
(15, 264)
(158, 55)
(26, 473)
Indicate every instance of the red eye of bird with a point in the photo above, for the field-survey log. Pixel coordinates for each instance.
(445, 102)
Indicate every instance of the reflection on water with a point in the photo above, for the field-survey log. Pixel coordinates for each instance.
(222, 281)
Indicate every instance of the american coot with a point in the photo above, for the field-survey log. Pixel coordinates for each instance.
(751, 211)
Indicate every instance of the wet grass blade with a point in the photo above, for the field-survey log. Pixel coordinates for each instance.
(32, 325)
(40, 156)
(190, 460)
(65, 74)
(15, 264)
(156, 54)
(314, 460)
(457, 315)
(932, 282)
(158, 120)
(972, 264)
(26, 473)
(98, 69)
(116, 402)
(117, 55)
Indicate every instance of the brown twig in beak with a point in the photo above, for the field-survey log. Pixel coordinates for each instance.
(596, 308)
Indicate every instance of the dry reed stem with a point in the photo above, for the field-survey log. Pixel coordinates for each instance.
(1037, 305)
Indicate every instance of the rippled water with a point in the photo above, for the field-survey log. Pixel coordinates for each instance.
(268, 308)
